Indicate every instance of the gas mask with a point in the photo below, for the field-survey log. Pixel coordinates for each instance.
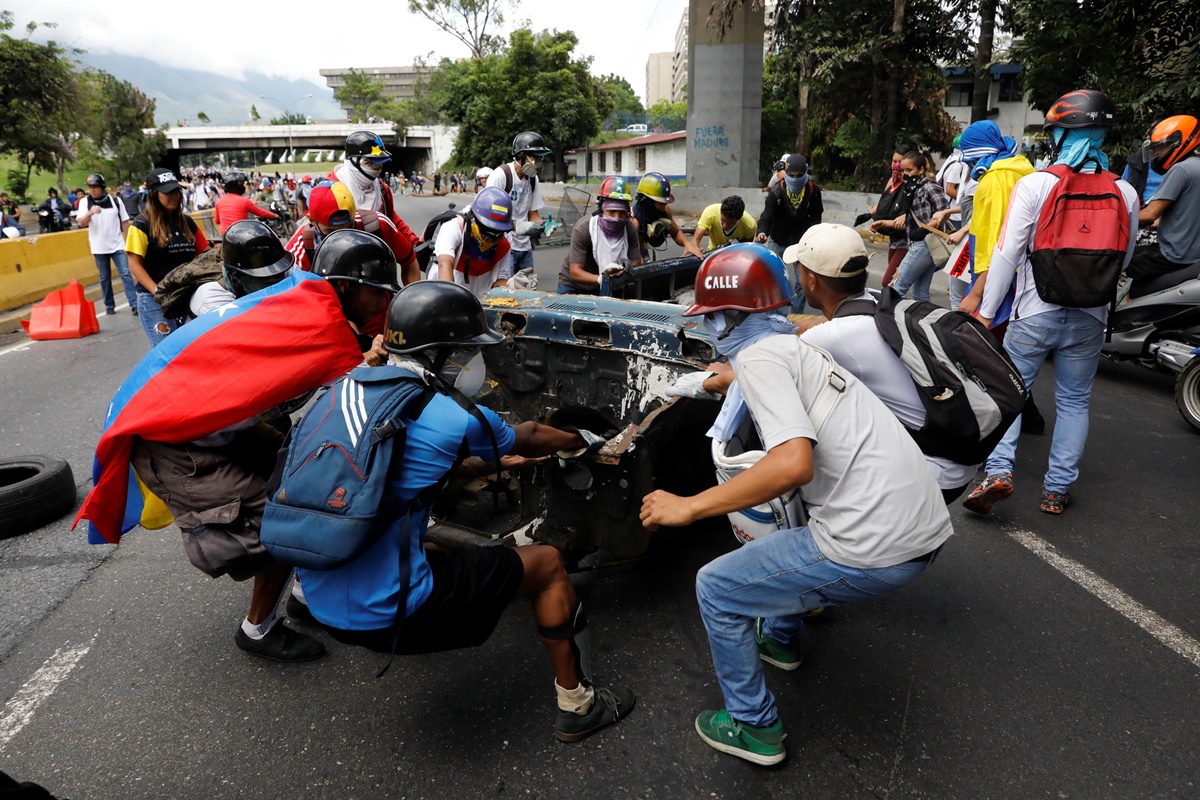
(466, 370)
(370, 168)
(530, 166)
(485, 240)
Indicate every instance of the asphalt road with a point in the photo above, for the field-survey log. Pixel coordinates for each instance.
(1039, 656)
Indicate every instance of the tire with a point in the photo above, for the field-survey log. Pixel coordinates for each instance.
(1187, 393)
(34, 491)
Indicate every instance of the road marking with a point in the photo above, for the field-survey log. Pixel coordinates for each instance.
(25, 345)
(19, 710)
(1149, 621)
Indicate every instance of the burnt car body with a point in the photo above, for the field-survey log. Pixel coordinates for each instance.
(604, 364)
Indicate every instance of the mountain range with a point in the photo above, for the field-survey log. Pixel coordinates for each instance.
(180, 94)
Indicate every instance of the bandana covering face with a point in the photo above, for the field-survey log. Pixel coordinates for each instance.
(982, 144)
(753, 329)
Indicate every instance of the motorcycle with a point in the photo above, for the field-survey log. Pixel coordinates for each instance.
(285, 226)
(1159, 328)
(49, 222)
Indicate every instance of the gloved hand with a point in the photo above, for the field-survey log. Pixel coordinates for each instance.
(525, 279)
(861, 218)
(528, 228)
(612, 270)
(591, 443)
(692, 385)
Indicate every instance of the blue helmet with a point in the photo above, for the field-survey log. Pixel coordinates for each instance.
(492, 208)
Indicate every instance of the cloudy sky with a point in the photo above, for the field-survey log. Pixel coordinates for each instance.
(232, 37)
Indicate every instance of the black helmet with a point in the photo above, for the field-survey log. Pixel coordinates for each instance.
(530, 142)
(233, 178)
(254, 257)
(365, 143)
(1083, 108)
(436, 315)
(358, 256)
(96, 179)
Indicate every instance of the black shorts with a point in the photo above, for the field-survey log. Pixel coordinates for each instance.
(471, 589)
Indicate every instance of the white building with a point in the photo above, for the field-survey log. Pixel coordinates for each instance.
(679, 63)
(632, 158)
(658, 77)
(1008, 104)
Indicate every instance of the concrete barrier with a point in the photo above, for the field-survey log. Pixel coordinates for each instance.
(33, 266)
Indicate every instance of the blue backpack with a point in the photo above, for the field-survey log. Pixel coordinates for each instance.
(327, 501)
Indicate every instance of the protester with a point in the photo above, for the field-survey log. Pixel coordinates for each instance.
(888, 214)
(859, 545)
(10, 214)
(602, 245)
(652, 216)
(453, 599)
(1039, 329)
(519, 180)
(791, 208)
(925, 198)
(160, 239)
(59, 208)
(471, 249)
(107, 224)
(1173, 150)
(233, 206)
(951, 175)
(725, 222)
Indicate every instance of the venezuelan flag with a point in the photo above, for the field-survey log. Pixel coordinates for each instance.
(224, 367)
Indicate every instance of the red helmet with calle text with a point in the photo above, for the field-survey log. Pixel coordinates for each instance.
(740, 277)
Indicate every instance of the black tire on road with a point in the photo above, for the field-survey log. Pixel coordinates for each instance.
(1187, 393)
(34, 491)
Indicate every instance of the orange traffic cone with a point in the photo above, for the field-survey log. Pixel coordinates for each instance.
(64, 314)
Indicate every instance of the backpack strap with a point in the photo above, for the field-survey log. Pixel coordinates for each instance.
(855, 308)
(508, 176)
(829, 394)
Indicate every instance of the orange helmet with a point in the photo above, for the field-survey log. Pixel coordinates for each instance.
(1171, 141)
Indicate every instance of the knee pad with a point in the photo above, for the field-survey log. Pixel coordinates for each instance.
(575, 631)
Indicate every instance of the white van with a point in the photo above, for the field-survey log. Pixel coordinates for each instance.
(637, 127)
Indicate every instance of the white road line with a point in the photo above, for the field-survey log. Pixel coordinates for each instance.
(1153, 624)
(19, 710)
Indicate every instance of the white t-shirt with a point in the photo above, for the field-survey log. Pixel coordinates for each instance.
(104, 228)
(1010, 257)
(872, 502)
(209, 296)
(855, 344)
(955, 172)
(525, 197)
(449, 242)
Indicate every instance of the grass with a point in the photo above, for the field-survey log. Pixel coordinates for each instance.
(74, 176)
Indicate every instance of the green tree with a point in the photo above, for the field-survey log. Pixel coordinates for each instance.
(667, 115)
(254, 115)
(536, 84)
(359, 92)
(615, 97)
(204, 120)
(291, 118)
(120, 113)
(469, 21)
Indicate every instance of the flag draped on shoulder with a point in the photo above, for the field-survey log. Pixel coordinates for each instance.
(224, 367)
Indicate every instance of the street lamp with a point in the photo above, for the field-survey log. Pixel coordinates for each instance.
(287, 115)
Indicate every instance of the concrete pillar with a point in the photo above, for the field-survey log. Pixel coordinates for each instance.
(724, 98)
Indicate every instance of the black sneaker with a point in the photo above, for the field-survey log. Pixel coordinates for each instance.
(109, 311)
(133, 311)
(610, 705)
(298, 611)
(281, 644)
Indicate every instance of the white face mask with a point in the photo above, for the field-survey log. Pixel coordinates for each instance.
(467, 370)
(370, 167)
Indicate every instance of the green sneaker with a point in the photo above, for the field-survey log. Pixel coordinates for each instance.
(775, 653)
(763, 746)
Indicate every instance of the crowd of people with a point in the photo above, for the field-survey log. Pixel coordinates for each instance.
(390, 308)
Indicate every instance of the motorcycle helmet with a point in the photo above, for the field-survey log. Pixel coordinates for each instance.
(531, 143)
(364, 144)
(233, 179)
(492, 209)
(96, 179)
(254, 257)
(741, 277)
(1083, 108)
(615, 188)
(1171, 141)
(436, 315)
(358, 257)
(655, 186)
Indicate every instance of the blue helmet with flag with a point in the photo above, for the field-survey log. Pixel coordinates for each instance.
(492, 208)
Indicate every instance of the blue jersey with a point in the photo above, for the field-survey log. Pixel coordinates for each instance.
(363, 594)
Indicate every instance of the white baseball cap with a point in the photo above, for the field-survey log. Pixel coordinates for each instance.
(827, 249)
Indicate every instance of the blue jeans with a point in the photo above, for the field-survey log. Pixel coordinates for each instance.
(958, 289)
(779, 577)
(798, 300)
(520, 259)
(915, 272)
(1073, 338)
(153, 322)
(104, 265)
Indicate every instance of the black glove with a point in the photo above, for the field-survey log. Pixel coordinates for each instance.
(861, 218)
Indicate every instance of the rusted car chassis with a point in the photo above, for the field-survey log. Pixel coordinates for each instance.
(603, 364)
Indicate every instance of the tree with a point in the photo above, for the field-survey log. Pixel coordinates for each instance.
(204, 120)
(291, 118)
(118, 117)
(667, 115)
(359, 92)
(254, 115)
(983, 59)
(614, 96)
(466, 20)
(536, 84)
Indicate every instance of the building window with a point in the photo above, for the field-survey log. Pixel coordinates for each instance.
(1010, 89)
(640, 159)
(960, 94)
(590, 168)
(603, 162)
(617, 162)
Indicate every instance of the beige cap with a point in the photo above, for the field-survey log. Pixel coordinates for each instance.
(826, 249)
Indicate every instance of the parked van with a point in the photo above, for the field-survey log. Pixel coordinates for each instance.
(637, 127)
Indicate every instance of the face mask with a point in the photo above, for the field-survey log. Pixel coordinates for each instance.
(795, 184)
(612, 226)
(531, 168)
(465, 370)
(370, 168)
(485, 243)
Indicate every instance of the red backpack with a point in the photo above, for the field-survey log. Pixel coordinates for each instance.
(1081, 238)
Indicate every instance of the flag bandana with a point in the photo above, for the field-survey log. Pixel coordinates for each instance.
(224, 367)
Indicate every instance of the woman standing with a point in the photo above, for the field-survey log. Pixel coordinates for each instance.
(159, 240)
(926, 197)
(888, 212)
